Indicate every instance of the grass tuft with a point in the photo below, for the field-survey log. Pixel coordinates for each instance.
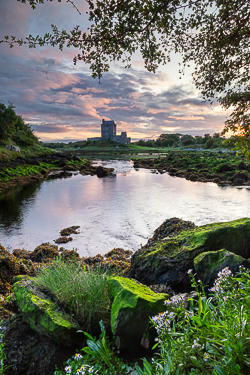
(83, 293)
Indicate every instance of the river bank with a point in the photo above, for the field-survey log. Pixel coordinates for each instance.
(221, 168)
(23, 170)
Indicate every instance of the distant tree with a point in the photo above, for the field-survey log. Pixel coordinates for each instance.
(141, 142)
(187, 140)
(209, 143)
(216, 135)
(198, 139)
(150, 143)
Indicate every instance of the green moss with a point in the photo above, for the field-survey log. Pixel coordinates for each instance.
(135, 303)
(42, 314)
(210, 263)
(232, 234)
(167, 261)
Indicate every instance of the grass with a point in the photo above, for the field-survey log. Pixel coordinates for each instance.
(81, 292)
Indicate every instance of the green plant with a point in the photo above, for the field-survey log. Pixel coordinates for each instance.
(2, 355)
(212, 336)
(98, 357)
(81, 292)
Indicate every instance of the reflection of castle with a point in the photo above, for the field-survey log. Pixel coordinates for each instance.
(108, 131)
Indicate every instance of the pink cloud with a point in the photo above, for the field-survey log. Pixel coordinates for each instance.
(187, 118)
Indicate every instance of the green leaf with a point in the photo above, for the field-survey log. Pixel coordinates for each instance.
(220, 371)
(194, 360)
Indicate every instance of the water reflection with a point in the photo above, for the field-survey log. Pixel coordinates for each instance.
(13, 204)
(116, 211)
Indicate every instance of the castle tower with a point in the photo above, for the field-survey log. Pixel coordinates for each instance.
(108, 130)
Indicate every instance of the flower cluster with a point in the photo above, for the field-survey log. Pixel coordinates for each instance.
(206, 357)
(163, 320)
(78, 356)
(83, 370)
(175, 300)
(195, 344)
(222, 277)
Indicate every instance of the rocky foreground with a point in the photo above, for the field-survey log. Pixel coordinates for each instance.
(35, 324)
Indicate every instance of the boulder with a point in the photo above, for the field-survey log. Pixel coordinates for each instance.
(240, 175)
(11, 266)
(167, 261)
(13, 148)
(44, 253)
(26, 352)
(62, 163)
(103, 172)
(43, 315)
(131, 309)
(226, 168)
(242, 166)
(207, 265)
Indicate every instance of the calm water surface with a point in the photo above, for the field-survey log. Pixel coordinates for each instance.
(116, 211)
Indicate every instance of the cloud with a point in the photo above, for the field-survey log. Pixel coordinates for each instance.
(63, 101)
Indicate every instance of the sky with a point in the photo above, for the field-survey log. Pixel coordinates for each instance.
(63, 103)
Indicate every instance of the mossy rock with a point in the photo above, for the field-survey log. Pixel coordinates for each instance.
(209, 264)
(131, 309)
(167, 261)
(42, 314)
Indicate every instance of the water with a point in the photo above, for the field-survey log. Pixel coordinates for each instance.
(116, 211)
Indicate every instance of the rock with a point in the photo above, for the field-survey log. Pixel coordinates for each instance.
(167, 261)
(133, 304)
(171, 227)
(21, 254)
(240, 175)
(13, 148)
(42, 314)
(63, 239)
(238, 182)
(193, 177)
(62, 163)
(209, 264)
(242, 166)
(44, 252)
(216, 180)
(69, 168)
(70, 230)
(29, 353)
(10, 266)
(76, 158)
(103, 172)
(226, 168)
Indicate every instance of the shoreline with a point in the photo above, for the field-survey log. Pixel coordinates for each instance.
(220, 168)
(22, 171)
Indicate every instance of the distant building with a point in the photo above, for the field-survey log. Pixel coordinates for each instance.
(108, 132)
(94, 139)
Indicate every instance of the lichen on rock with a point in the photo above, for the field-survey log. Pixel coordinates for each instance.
(42, 314)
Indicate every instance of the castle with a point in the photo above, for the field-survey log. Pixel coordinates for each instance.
(108, 133)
